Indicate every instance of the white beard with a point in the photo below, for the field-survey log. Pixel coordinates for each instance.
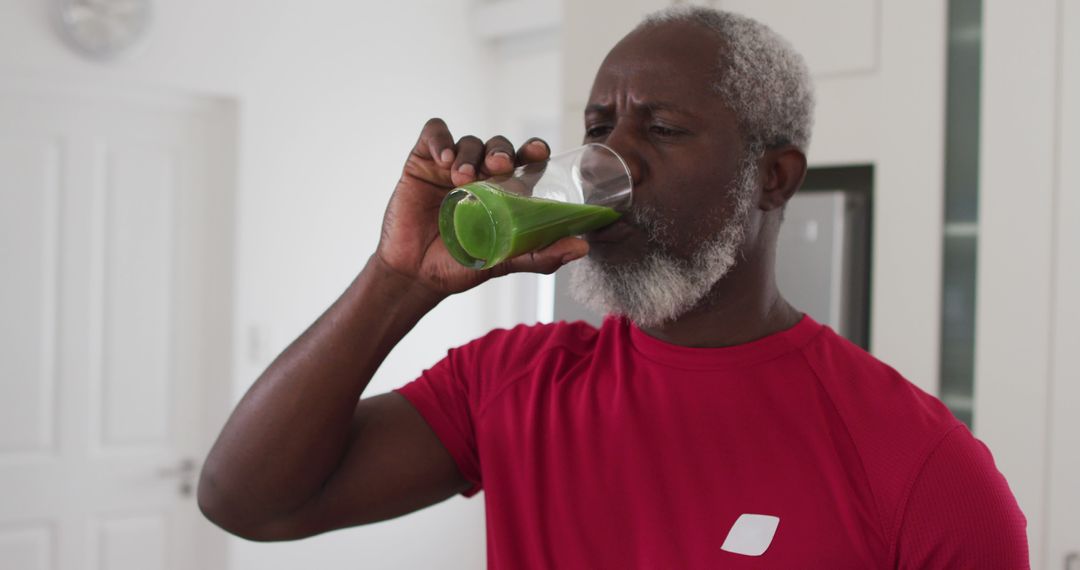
(662, 287)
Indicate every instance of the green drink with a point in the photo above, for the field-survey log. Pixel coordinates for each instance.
(483, 225)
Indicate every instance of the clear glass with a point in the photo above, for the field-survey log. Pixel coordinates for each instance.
(961, 207)
(486, 222)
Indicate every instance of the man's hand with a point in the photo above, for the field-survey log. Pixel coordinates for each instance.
(410, 244)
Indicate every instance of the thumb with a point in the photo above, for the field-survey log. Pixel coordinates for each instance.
(546, 260)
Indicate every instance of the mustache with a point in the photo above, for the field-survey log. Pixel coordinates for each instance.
(651, 222)
(642, 217)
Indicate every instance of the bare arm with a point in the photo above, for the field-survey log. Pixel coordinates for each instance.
(286, 440)
(301, 453)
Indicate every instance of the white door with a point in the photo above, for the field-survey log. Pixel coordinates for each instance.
(115, 276)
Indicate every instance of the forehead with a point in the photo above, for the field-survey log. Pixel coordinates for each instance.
(671, 62)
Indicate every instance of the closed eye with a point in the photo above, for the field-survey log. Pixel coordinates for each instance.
(597, 131)
(663, 131)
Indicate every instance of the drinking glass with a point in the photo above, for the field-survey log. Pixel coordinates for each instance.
(486, 222)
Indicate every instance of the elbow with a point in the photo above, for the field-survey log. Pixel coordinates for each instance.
(219, 506)
(215, 505)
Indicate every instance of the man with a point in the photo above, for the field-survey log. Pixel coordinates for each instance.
(706, 424)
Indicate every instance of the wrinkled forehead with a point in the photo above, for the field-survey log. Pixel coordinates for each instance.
(668, 61)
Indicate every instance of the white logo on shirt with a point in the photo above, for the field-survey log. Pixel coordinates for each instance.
(751, 534)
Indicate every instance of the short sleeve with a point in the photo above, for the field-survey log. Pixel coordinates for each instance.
(442, 396)
(960, 512)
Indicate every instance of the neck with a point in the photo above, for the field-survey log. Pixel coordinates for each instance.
(742, 307)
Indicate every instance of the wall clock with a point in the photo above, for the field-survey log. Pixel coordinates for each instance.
(101, 29)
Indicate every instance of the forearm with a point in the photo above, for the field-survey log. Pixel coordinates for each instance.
(289, 432)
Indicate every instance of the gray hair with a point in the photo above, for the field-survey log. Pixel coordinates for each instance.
(761, 77)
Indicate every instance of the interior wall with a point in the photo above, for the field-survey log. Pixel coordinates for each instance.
(331, 96)
(526, 92)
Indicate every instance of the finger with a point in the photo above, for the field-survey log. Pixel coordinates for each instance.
(546, 260)
(436, 143)
(470, 152)
(534, 150)
(498, 156)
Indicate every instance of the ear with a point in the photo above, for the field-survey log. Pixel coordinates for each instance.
(783, 169)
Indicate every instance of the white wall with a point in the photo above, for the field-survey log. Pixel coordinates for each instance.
(331, 95)
(525, 91)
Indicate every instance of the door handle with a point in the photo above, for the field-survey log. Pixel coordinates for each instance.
(185, 472)
(185, 468)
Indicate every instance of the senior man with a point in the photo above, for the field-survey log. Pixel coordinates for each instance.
(706, 424)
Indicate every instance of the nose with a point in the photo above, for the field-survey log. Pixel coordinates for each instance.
(625, 142)
(604, 177)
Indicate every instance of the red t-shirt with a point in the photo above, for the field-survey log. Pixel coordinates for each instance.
(609, 448)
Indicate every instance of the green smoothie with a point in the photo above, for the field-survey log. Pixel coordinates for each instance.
(483, 225)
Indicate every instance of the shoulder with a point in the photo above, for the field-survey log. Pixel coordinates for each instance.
(502, 356)
(893, 425)
(538, 337)
(943, 502)
(871, 393)
(502, 349)
(960, 512)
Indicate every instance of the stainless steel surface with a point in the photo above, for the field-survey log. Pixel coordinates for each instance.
(811, 265)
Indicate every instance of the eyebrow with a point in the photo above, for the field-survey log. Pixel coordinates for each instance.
(651, 107)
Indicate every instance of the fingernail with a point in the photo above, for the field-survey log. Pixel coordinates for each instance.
(447, 155)
(467, 169)
(569, 257)
(538, 144)
(502, 154)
